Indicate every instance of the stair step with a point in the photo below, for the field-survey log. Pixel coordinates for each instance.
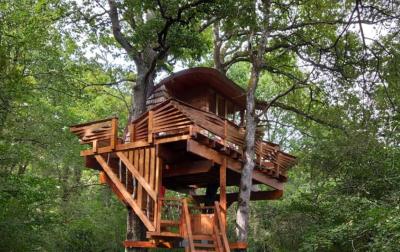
(203, 237)
(204, 245)
(164, 235)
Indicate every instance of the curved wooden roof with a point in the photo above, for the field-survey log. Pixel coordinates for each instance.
(181, 81)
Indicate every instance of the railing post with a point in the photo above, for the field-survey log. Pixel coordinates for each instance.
(95, 146)
(150, 127)
(158, 214)
(225, 132)
(131, 132)
(114, 133)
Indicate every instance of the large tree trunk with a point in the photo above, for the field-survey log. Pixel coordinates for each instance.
(242, 215)
(135, 230)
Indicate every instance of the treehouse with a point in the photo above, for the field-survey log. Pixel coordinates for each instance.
(191, 137)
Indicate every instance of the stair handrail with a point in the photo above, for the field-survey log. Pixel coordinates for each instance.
(186, 216)
(221, 227)
(217, 235)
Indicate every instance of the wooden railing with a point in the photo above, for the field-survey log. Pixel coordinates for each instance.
(168, 215)
(174, 118)
(98, 133)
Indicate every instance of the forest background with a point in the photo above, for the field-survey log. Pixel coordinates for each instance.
(336, 109)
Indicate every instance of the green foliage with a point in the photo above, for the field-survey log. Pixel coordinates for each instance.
(46, 202)
(28, 211)
(342, 196)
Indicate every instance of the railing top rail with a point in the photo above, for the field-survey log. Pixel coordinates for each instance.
(91, 122)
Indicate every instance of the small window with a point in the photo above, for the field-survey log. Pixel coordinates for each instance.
(220, 106)
(230, 111)
(212, 103)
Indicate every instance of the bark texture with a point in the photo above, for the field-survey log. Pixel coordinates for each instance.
(256, 52)
(242, 214)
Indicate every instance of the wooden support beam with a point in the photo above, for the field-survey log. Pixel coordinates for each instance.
(189, 168)
(158, 184)
(232, 197)
(222, 190)
(119, 147)
(139, 244)
(127, 197)
(148, 244)
(232, 164)
(171, 139)
(238, 245)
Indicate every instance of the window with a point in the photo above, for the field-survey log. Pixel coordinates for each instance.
(212, 102)
(230, 111)
(220, 106)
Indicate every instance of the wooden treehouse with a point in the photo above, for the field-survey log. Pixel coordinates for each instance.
(191, 137)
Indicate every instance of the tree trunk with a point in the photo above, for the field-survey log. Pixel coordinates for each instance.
(135, 229)
(242, 215)
(218, 55)
(141, 89)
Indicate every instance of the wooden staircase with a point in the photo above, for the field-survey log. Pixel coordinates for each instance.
(133, 177)
(198, 228)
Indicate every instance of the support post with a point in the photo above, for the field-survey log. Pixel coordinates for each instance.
(114, 133)
(95, 146)
(225, 132)
(150, 127)
(222, 190)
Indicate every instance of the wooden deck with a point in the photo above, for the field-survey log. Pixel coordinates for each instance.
(172, 121)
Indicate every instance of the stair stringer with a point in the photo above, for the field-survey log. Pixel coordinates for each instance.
(135, 178)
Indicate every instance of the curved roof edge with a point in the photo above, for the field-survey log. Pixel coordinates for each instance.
(214, 73)
(204, 76)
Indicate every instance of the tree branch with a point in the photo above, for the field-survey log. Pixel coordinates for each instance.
(116, 28)
(307, 116)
